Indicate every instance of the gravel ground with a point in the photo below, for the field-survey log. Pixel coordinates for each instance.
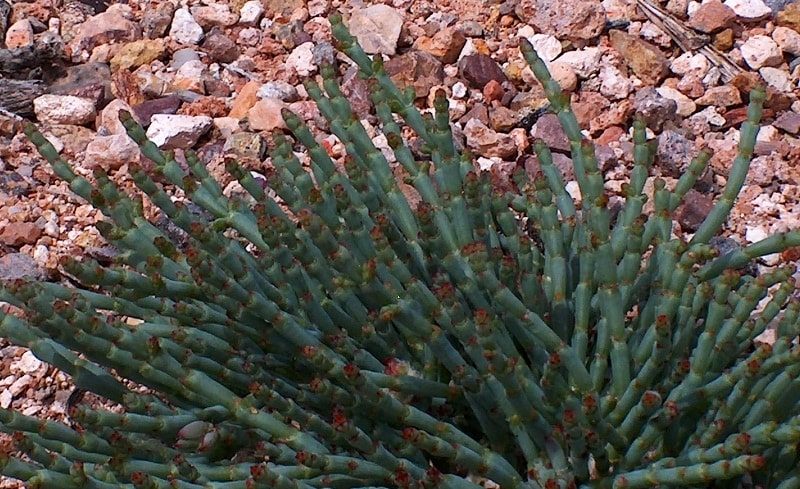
(221, 71)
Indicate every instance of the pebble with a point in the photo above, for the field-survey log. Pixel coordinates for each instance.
(614, 84)
(445, 45)
(685, 105)
(585, 62)
(137, 53)
(278, 89)
(479, 69)
(777, 79)
(220, 47)
(377, 28)
(646, 61)
(760, 51)
(110, 152)
(547, 46)
(185, 30)
(301, 60)
(214, 15)
(655, 109)
(710, 17)
(688, 62)
(19, 34)
(568, 20)
(749, 10)
(789, 121)
(28, 363)
(111, 26)
(64, 109)
(417, 70)
(722, 96)
(265, 115)
(694, 209)
(17, 234)
(169, 131)
(251, 13)
(484, 141)
(19, 265)
(788, 40)
(549, 130)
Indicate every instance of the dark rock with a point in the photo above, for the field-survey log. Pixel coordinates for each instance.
(89, 80)
(220, 47)
(356, 91)
(480, 69)
(728, 245)
(164, 105)
(693, 211)
(549, 130)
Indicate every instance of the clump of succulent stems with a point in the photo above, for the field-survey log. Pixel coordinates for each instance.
(336, 336)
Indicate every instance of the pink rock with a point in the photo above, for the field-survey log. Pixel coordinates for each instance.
(711, 17)
(445, 45)
(377, 28)
(789, 121)
(64, 109)
(107, 27)
(20, 233)
(722, 96)
(111, 152)
(760, 51)
(215, 15)
(19, 34)
(486, 142)
(265, 115)
(563, 18)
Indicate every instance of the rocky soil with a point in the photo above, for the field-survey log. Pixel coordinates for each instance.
(213, 76)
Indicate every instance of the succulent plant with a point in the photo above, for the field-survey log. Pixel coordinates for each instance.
(327, 333)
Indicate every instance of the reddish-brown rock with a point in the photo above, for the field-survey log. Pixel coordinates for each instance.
(711, 17)
(480, 69)
(20, 233)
